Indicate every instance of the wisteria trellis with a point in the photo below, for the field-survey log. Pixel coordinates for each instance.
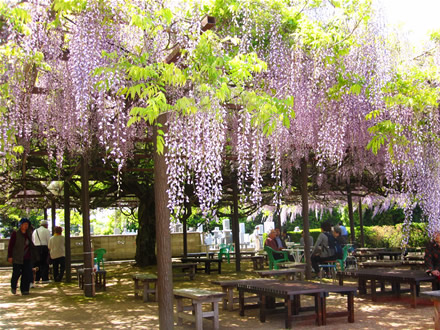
(335, 77)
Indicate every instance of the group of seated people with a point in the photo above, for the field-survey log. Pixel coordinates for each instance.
(328, 246)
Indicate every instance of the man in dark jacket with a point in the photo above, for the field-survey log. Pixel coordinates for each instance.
(20, 255)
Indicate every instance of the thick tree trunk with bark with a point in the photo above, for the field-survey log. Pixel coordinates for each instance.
(163, 238)
(146, 238)
(305, 216)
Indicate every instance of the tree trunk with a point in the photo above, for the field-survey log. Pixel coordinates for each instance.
(350, 214)
(163, 238)
(305, 216)
(146, 237)
(236, 226)
(89, 283)
(361, 222)
(53, 213)
(67, 231)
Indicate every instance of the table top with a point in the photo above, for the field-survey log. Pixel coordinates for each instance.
(283, 271)
(390, 263)
(385, 273)
(282, 288)
(201, 259)
(198, 254)
(183, 264)
(197, 293)
(389, 253)
(234, 283)
(144, 276)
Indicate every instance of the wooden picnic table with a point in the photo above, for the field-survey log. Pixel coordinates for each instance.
(146, 280)
(366, 255)
(228, 287)
(381, 264)
(198, 297)
(394, 276)
(188, 269)
(199, 255)
(291, 292)
(207, 262)
(392, 255)
(287, 273)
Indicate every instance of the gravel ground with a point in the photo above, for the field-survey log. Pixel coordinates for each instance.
(63, 305)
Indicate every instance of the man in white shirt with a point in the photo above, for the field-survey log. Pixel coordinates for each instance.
(58, 254)
(41, 237)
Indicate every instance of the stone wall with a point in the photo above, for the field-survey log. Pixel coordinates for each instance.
(119, 247)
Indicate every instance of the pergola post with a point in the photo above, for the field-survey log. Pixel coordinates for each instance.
(361, 222)
(67, 231)
(350, 213)
(305, 216)
(236, 225)
(89, 283)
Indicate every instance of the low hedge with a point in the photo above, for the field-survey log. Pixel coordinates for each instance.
(380, 236)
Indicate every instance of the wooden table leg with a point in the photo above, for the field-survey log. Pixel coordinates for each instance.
(207, 267)
(136, 287)
(241, 301)
(215, 318)
(373, 290)
(146, 289)
(413, 290)
(319, 308)
(341, 279)
(288, 311)
(262, 303)
(198, 314)
(230, 295)
(350, 307)
(179, 308)
(324, 309)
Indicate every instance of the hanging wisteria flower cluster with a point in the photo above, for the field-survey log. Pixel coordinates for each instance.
(195, 148)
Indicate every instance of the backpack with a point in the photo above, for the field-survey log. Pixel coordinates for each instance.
(334, 245)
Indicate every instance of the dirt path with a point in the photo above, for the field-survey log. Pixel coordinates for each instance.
(62, 305)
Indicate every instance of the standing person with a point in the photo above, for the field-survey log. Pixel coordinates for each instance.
(432, 256)
(41, 237)
(57, 254)
(20, 256)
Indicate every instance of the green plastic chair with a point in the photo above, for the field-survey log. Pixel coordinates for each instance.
(224, 251)
(273, 263)
(344, 257)
(99, 257)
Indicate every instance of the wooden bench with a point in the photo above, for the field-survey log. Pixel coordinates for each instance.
(197, 297)
(207, 261)
(258, 262)
(188, 269)
(228, 287)
(146, 279)
(287, 273)
(99, 276)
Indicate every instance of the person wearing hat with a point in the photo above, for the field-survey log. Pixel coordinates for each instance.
(20, 256)
(41, 237)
